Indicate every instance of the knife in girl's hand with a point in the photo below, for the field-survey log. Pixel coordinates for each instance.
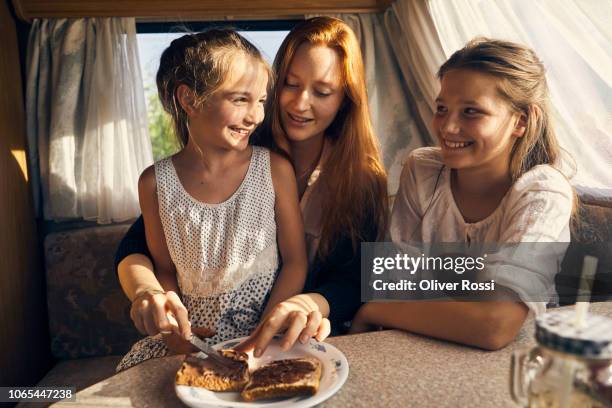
(203, 347)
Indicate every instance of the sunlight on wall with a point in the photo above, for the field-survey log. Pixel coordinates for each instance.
(20, 158)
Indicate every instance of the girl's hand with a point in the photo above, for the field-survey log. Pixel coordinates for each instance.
(178, 345)
(150, 313)
(293, 316)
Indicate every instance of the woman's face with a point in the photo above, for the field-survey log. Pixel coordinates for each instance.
(312, 93)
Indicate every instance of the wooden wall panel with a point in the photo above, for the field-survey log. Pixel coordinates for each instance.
(24, 339)
(193, 9)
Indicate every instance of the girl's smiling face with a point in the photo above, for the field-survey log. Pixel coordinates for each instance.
(312, 93)
(232, 113)
(475, 126)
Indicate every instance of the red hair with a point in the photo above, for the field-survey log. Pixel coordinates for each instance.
(355, 178)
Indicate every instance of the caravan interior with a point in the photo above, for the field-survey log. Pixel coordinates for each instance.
(80, 121)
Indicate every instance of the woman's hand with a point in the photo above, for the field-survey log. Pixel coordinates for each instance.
(155, 311)
(298, 316)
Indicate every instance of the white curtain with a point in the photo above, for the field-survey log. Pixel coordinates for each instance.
(574, 39)
(86, 114)
(419, 52)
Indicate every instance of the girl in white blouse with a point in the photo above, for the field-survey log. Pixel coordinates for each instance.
(493, 179)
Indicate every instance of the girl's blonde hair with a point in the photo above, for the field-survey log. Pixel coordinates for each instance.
(201, 61)
(522, 83)
(355, 179)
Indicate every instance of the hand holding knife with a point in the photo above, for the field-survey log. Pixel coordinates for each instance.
(199, 344)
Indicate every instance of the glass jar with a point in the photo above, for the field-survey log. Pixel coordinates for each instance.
(569, 368)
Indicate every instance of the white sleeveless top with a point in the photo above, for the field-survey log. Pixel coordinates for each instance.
(225, 254)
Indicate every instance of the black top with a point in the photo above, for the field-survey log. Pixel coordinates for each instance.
(337, 277)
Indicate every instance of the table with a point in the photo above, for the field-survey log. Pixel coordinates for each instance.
(388, 368)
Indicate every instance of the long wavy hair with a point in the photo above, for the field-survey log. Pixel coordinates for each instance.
(356, 181)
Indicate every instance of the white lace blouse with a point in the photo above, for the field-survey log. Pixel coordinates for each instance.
(536, 209)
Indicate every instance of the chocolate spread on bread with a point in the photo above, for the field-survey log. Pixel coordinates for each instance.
(281, 378)
(209, 374)
(284, 378)
(281, 371)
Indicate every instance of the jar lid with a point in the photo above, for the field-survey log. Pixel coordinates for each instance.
(556, 331)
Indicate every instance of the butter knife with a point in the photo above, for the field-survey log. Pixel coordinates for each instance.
(211, 352)
(203, 347)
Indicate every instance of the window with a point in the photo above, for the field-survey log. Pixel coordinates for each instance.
(154, 38)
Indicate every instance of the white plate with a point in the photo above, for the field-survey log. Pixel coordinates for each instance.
(334, 373)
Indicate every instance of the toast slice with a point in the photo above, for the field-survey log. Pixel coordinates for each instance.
(284, 378)
(209, 374)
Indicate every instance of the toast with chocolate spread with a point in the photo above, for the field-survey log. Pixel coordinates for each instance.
(209, 374)
(284, 378)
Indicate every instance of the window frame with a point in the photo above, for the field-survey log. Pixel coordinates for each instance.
(167, 27)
